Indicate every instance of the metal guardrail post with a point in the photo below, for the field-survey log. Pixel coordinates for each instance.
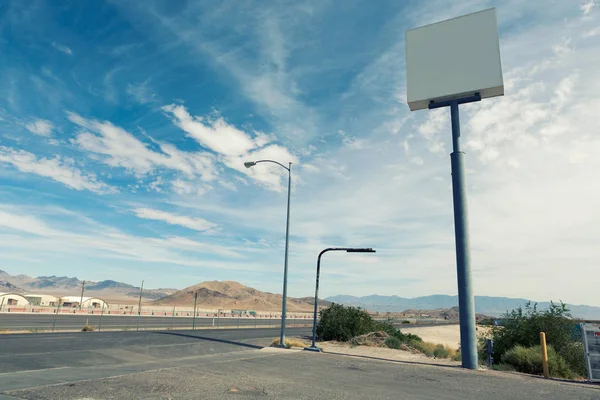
(101, 315)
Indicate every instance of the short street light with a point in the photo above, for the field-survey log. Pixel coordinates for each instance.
(314, 347)
(249, 164)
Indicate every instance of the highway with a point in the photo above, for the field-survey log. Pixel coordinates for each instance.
(48, 322)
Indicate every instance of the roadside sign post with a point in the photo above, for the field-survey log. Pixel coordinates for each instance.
(450, 63)
(194, 317)
(591, 345)
(101, 315)
(140, 307)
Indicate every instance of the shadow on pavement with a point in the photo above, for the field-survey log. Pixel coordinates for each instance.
(209, 339)
(394, 361)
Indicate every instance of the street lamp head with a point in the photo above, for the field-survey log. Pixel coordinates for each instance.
(363, 250)
(249, 164)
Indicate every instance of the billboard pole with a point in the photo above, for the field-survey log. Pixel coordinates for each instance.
(466, 300)
(450, 63)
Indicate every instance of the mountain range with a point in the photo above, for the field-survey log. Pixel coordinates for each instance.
(231, 294)
(493, 306)
(64, 285)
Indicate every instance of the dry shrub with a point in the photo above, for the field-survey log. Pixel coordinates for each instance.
(290, 343)
(370, 339)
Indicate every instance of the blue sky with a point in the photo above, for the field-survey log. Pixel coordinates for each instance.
(124, 127)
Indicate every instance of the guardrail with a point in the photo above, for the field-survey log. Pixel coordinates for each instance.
(31, 322)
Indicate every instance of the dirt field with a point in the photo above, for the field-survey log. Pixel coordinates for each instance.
(448, 335)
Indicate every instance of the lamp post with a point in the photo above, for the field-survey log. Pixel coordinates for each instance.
(314, 347)
(250, 164)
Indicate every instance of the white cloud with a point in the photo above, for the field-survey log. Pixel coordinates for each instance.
(61, 48)
(142, 93)
(215, 135)
(24, 232)
(588, 6)
(40, 127)
(234, 146)
(24, 223)
(185, 188)
(197, 224)
(56, 169)
(592, 32)
(122, 149)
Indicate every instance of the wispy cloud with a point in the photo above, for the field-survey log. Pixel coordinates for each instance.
(57, 169)
(234, 146)
(122, 149)
(197, 224)
(62, 48)
(40, 127)
(588, 6)
(23, 232)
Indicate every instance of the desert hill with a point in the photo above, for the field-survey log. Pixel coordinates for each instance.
(234, 295)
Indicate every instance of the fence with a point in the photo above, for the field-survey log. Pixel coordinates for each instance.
(30, 322)
(126, 309)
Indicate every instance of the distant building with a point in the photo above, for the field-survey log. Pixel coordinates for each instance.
(42, 300)
(86, 302)
(12, 300)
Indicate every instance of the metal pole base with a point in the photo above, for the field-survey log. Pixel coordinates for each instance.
(313, 349)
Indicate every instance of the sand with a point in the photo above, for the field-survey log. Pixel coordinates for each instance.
(382, 353)
(448, 335)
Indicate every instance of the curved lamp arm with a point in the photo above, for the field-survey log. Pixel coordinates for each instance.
(249, 164)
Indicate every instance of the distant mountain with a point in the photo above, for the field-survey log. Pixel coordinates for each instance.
(6, 287)
(234, 295)
(64, 285)
(108, 284)
(494, 306)
(55, 282)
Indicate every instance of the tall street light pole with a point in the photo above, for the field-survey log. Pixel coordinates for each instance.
(250, 164)
(314, 347)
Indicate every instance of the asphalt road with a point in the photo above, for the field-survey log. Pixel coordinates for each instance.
(44, 322)
(228, 364)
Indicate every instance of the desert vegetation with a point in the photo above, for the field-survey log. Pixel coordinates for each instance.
(517, 341)
(355, 326)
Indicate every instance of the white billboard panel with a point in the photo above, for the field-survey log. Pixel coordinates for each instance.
(453, 59)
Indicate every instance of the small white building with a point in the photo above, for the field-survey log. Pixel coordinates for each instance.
(42, 300)
(12, 300)
(86, 302)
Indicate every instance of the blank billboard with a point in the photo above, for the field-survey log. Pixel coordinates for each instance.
(453, 59)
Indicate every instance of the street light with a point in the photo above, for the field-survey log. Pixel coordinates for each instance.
(314, 347)
(249, 164)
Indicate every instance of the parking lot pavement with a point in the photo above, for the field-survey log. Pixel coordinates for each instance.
(285, 374)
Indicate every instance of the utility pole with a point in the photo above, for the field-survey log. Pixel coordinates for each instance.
(140, 306)
(81, 299)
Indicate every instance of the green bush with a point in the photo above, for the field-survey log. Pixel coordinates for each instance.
(393, 343)
(574, 355)
(440, 351)
(529, 360)
(486, 322)
(523, 326)
(407, 338)
(457, 356)
(341, 323)
(425, 348)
